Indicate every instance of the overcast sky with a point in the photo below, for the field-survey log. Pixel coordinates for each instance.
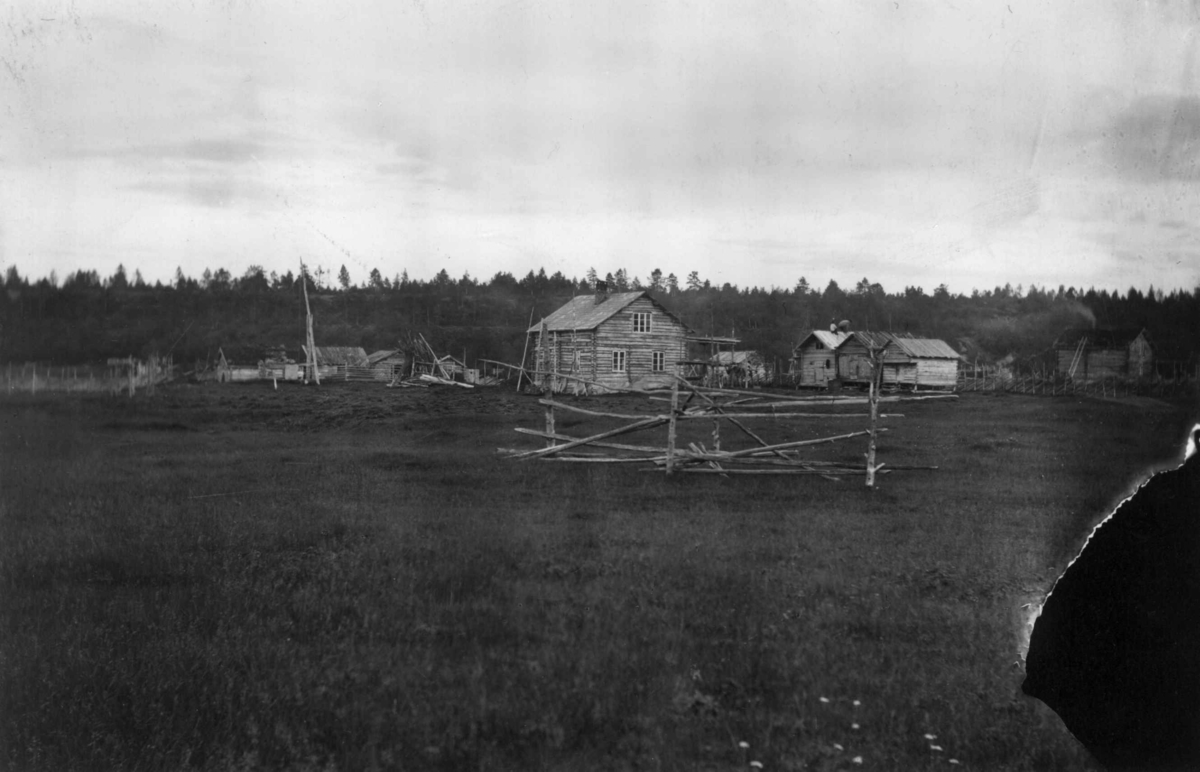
(970, 143)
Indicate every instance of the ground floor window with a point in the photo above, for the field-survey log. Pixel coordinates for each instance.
(618, 361)
(660, 362)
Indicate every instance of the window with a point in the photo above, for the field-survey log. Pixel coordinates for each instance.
(820, 345)
(641, 321)
(618, 361)
(660, 362)
(826, 364)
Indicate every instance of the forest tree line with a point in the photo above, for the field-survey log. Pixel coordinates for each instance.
(88, 318)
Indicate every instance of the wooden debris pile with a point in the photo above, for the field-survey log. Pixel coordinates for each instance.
(723, 407)
(428, 368)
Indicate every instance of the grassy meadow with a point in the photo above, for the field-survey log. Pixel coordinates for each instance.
(352, 578)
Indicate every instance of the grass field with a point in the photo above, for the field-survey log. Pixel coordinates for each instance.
(352, 578)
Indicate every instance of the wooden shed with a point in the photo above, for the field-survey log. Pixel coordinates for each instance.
(389, 364)
(1091, 354)
(907, 361)
(814, 359)
(625, 340)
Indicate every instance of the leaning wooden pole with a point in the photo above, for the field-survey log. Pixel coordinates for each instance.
(311, 360)
(525, 353)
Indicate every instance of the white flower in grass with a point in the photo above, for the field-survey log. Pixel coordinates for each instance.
(840, 748)
(856, 703)
(756, 764)
(931, 737)
(953, 761)
(743, 745)
(855, 726)
(824, 699)
(935, 748)
(857, 759)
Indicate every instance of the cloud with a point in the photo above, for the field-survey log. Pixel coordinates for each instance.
(1157, 138)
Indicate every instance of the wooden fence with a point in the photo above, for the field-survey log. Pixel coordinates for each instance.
(118, 376)
(705, 452)
(1048, 382)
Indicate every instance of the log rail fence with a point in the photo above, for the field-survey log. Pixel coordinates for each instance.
(688, 402)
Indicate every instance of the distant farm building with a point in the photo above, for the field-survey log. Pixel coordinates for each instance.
(1089, 354)
(240, 365)
(625, 340)
(389, 364)
(279, 364)
(907, 361)
(814, 360)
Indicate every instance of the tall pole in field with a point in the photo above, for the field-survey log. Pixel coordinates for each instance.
(311, 362)
(873, 396)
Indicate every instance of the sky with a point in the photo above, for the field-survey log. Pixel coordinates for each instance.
(968, 143)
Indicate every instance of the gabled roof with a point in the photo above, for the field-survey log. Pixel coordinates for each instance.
(925, 348)
(829, 339)
(584, 313)
(1102, 338)
(868, 338)
(340, 355)
(917, 348)
(381, 355)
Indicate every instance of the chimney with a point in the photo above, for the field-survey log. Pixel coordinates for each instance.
(601, 292)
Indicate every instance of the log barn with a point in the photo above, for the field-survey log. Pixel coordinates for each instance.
(1091, 354)
(607, 342)
(814, 359)
(907, 361)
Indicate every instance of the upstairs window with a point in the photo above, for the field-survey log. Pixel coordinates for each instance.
(641, 321)
(659, 362)
(618, 361)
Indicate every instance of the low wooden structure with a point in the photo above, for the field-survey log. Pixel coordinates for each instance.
(907, 361)
(389, 364)
(624, 341)
(1095, 354)
(228, 371)
(814, 359)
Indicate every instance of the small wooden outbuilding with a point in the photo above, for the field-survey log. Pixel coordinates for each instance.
(907, 361)
(1091, 354)
(814, 359)
(389, 364)
(616, 342)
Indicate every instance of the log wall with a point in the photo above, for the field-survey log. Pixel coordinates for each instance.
(588, 353)
(809, 365)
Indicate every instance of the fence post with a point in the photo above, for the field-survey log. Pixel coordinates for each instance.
(550, 443)
(671, 427)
